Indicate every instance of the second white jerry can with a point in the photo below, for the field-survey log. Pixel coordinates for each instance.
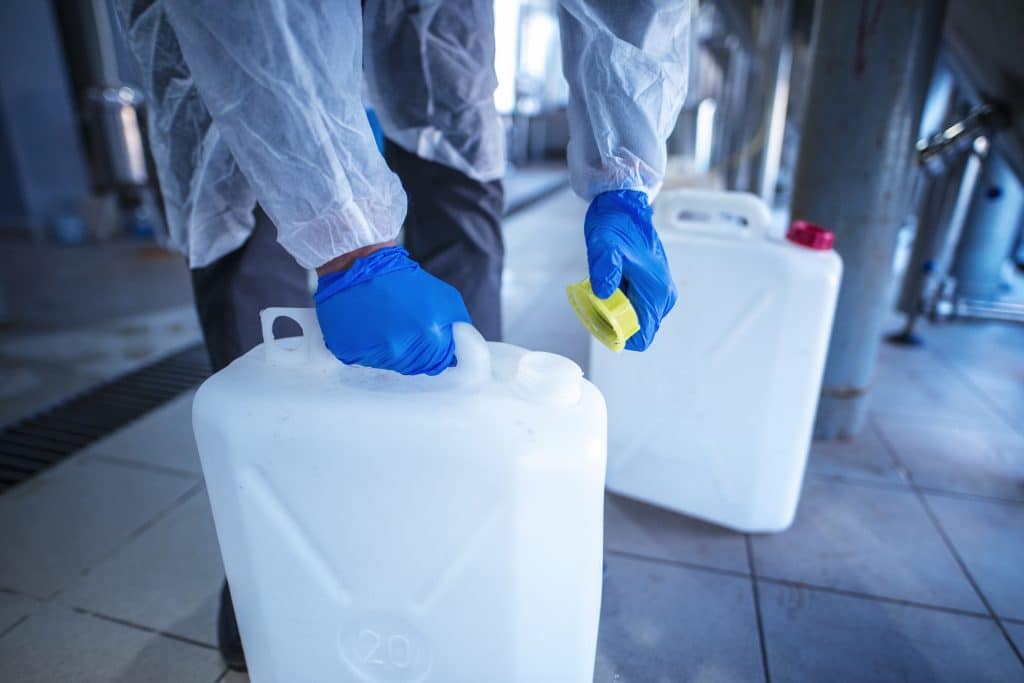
(715, 419)
(376, 527)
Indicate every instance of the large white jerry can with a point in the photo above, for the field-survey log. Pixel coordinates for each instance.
(715, 419)
(383, 528)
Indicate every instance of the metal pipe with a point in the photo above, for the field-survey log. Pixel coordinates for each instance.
(979, 121)
(936, 228)
(1005, 311)
(734, 143)
(871, 69)
(761, 86)
(989, 232)
(775, 59)
(949, 161)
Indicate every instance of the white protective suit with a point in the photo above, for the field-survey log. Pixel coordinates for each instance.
(626, 64)
(262, 100)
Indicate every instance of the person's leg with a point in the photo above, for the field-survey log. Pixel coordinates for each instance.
(231, 292)
(229, 295)
(430, 74)
(453, 228)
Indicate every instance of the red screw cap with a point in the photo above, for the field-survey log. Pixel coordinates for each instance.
(810, 235)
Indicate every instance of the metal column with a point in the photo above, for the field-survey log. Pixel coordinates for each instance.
(763, 93)
(989, 232)
(42, 164)
(768, 122)
(945, 194)
(871, 69)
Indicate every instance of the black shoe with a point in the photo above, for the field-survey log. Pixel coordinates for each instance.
(228, 639)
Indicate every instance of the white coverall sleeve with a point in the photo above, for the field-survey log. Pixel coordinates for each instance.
(282, 82)
(208, 219)
(626, 64)
(430, 72)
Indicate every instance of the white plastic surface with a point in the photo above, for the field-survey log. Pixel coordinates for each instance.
(394, 529)
(715, 419)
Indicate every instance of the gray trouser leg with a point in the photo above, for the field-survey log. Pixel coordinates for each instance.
(230, 292)
(453, 228)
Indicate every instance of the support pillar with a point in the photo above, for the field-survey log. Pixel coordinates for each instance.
(870, 72)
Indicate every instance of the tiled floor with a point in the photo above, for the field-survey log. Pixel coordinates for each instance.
(75, 316)
(904, 563)
(39, 368)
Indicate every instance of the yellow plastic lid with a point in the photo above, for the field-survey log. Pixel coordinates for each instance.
(612, 321)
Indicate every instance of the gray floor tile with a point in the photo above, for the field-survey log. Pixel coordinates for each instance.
(663, 624)
(14, 608)
(990, 356)
(51, 365)
(634, 527)
(163, 438)
(559, 230)
(1016, 632)
(916, 385)
(990, 539)
(68, 519)
(550, 325)
(536, 312)
(817, 636)
(985, 462)
(866, 539)
(58, 645)
(997, 370)
(1007, 395)
(986, 347)
(523, 185)
(993, 364)
(168, 578)
(865, 457)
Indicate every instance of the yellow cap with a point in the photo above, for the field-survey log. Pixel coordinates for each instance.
(612, 321)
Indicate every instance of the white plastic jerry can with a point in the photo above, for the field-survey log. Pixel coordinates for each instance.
(715, 419)
(376, 527)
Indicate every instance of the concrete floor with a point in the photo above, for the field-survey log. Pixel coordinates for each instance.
(39, 368)
(72, 317)
(904, 563)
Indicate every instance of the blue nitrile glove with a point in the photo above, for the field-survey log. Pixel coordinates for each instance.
(623, 250)
(387, 312)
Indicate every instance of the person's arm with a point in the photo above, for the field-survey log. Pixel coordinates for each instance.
(282, 82)
(626, 64)
(204, 220)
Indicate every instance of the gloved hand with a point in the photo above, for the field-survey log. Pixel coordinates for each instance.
(387, 312)
(624, 250)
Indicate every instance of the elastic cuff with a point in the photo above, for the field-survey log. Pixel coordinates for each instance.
(341, 229)
(364, 269)
(592, 172)
(636, 199)
(598, 182)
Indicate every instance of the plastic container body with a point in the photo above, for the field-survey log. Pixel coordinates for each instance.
(715, 419)
(383, 528)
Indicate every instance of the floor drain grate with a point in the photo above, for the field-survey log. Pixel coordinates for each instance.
(32, 445)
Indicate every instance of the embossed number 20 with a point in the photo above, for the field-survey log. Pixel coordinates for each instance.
(385, 650)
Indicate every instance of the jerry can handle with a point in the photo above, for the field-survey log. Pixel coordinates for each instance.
(473, 358)
(471, 350)
(309, 351)
(714, 211)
